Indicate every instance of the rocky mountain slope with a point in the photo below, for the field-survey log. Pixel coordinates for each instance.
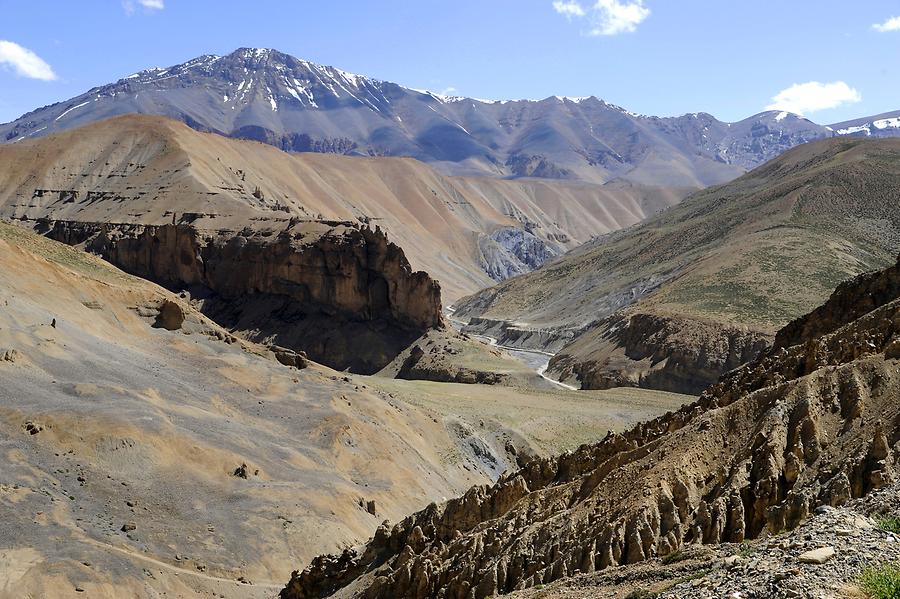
(882, 125)
(803, 426)
(835, 554)
(300, 106)
(148, 452)
(465, 232)
(341, 293)
(675, 301)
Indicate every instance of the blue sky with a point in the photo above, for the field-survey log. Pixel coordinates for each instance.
(666, 57)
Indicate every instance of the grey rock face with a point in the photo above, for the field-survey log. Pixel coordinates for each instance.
(511, 251)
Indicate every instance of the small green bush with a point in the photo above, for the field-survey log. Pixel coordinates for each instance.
(881, 581)
(889, 524)
(746, 549)
(674, 557)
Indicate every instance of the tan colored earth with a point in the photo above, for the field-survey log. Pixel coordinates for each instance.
(125, 445)
(152, 170)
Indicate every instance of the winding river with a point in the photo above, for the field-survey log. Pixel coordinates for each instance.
(534, 359)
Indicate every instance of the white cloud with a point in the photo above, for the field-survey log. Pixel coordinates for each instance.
(25, 62)
(570, 8)
(129, 5)
(892, 24)
(804, 98)
(606, 17)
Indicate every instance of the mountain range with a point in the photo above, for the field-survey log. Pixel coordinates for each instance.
(226, 344)
(468, 232)
(301, 106)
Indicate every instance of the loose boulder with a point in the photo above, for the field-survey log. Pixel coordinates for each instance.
(171, 316)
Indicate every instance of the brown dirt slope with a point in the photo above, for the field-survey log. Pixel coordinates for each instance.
(122, 406)
(462, 231)
(809, 425)
(748, 256)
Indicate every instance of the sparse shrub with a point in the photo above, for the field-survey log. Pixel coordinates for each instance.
(889, 524)
(676, 556)
(693, 576)
(881, 581)
(641, 594)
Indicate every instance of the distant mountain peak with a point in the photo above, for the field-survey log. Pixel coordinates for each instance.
(299, 105)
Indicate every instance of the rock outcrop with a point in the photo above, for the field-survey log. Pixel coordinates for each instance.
(343, 294)
(670, 353)
(171, 316)
(415, 368)
(448, 356)
(836, 553)
(809, 425)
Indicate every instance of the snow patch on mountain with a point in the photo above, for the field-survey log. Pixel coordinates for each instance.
(71, 109)
(892, 123)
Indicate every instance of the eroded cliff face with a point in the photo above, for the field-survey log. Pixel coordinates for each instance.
(813, 424)
(343, 294)
(669, 353)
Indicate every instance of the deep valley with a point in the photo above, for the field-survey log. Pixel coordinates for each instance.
(269, 329)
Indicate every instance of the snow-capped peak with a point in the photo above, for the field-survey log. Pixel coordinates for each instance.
(576, 99)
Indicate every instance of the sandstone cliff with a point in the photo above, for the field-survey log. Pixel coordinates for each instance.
(670, 353)
(812, 424)
(342, 293)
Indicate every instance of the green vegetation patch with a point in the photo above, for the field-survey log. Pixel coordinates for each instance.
(675, 557)
(745, 550)
(881, 581)
(889, 524)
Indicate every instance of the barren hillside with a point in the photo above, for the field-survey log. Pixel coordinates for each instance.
(148, 452)
(465, 232)
(673, 302)
(810, 425)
